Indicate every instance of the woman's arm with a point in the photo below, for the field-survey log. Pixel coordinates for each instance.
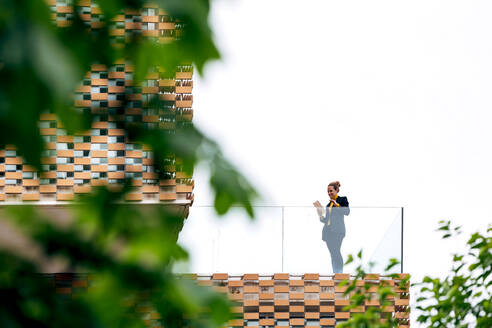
(344, 206)
(320, 210)
(322, 216)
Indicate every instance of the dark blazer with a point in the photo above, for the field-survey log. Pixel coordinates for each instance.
(337, 218)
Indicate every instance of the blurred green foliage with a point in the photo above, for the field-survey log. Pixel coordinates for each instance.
(380, 316)
(464, 297)
(129, 248)
(146, 246)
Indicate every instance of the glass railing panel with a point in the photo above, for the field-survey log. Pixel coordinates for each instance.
(233, 243)
(287, 239)
(375, 231)
(390, 246)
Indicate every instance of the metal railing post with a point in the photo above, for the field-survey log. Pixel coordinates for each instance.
(282, 239)
(401, 255)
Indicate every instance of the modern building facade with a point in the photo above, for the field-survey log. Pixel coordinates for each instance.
(74, 165)
(278, 300)
(307, 300)
(102, 155)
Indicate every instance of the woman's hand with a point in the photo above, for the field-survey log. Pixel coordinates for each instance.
(319, 209)
(334, 203)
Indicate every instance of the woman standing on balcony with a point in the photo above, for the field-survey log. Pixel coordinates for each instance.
(334, 224)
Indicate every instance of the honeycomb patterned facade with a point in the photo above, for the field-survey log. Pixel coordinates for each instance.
(279, 300)
(74, 164)
(102, 156)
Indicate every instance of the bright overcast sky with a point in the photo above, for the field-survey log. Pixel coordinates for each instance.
(391, 98)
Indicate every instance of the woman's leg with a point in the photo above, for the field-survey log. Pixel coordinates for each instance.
(334, 244)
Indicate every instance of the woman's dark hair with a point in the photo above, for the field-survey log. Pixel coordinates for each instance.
(335, 185)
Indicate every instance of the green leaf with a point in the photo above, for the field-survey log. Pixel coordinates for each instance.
(350, 259)
(110, 8)
(53, 63)
(393, 262)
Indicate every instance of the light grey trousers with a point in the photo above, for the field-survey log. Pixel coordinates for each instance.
(334, 243)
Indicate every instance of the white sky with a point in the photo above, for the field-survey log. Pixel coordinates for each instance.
(391, 98)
